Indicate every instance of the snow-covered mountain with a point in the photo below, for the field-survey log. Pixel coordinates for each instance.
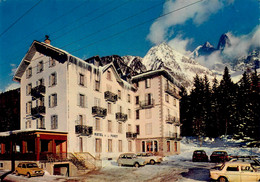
(183, 68)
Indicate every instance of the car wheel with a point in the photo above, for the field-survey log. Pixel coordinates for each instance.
(222, 179)
(16, 173)
(136, 164)
(152, 162)
(28, 175)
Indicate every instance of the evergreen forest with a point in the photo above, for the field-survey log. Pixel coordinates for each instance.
(222, 108)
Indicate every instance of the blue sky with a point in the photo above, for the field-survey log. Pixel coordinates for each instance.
(87, 28)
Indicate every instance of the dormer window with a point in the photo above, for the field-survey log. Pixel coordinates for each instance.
(148, 83)
(52, 62)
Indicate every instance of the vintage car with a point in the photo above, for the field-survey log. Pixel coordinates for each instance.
(219, 156)
(200, 156)
(149, 158)
(29, 169)
(130, 159)
(235, 172)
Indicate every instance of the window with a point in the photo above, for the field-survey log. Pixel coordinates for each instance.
(174, 101)
(40, 82)
(175, 146)
(168, 146)
(137, 129)
(54, 122)
(129, 128)
(120, 127)
(109, 108)
(53, 79)
(1, 164)
(98, 145)
(98, 126)
(29, 72)
(109, 126)
(119, 94)
(148, 113)
(128, 98)
(52, 62)
(81, 80)
(148, 83)
(109, 75)
(136, 100)
(53, 100)
(97, 85)
(155, 146)
(28, 124)
(80, 119)
(130, 146)
(109, 148)
(120, 146)
(232, 168)
(40, 101)
(148, 128)
(129, 114)
(148, 99)
(81, 100)
(40, 123)
(40, 67)
(28, 89)
(167, 98)
(28, 107)
(96, 101)
(137, 114)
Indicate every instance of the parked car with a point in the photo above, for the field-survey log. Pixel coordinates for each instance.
(219, 156)
(29, 169)
(250, 159)
(235, 172)
(149, 158)
(130, 159)
(200, 156)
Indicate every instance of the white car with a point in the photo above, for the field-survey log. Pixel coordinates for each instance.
(149, 158)
(235, 172)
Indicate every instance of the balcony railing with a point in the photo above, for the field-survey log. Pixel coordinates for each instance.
(146, 104)
(38, 91)
(38, 111)
(173, 136)
(109, 96)
(84, 130)
(172, 91)
(99, 111)
(172, 120)
(121, 116)
(131, 135)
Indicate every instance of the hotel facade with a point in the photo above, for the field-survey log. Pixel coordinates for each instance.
(71, 108)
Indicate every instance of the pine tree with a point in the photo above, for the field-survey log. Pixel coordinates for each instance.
(227, 101)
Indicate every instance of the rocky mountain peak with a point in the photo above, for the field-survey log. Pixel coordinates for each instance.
(223, 42)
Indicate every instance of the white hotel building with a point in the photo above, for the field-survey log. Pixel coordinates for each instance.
(76, 107)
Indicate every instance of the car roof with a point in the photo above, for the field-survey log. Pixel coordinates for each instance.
(238, 163)
(27, 163)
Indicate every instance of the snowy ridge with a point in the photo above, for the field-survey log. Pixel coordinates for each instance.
(182, 68)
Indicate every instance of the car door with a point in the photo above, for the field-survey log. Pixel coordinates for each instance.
(129, 160)
(233, 173)
(23, 169)
(248, 174)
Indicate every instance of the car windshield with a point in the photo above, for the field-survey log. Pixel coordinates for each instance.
(223, 165)
(219, 153)
(32, 165)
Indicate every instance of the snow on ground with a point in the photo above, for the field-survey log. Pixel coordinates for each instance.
(174, 168)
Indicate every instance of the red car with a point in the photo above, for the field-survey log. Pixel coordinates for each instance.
(199, 156)
(219, 156)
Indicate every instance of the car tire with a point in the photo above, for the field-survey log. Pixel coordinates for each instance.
(16, 173)
(28, 175)
(136, 165)
(152, 162)
(222, 179)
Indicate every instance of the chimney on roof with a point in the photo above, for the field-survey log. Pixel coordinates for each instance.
(47, 40)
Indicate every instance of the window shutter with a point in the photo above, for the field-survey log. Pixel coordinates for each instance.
(56, 122)
(49, 100)
(50, 80)
(86, 101)
(78, 100)
(55, 100)
(55, 79)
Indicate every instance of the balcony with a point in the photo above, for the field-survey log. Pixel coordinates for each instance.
(38, 91)
(38, 111)
(173, 136)
(121, 117)
(109, 96)
(84, 130)
(172, 91)
(131, 135)
(146, 104)
(99, 111)
(172, 120)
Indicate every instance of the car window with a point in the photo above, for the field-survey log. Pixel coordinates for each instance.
(32, 165)
(246, 169)
(123, 157)
(19, 165)
(232, 168)
(23, 166)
